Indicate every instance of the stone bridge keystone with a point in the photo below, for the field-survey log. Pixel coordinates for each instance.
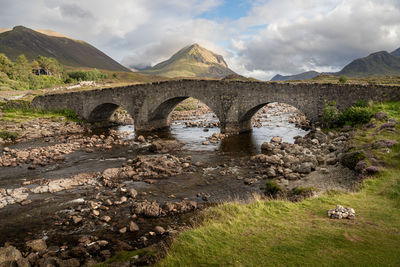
(233, 102)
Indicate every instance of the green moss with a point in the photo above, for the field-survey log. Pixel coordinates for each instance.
(272, 188)
(303, 190)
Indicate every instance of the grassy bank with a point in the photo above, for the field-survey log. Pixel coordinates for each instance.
(21, 111)
(281, 233)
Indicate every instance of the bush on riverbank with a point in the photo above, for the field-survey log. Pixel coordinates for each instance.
(359, 113)
(282, 233)
(8, 135)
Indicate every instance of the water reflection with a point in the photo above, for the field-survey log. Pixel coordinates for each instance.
(249, 143)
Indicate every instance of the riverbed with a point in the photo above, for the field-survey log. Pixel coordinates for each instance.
(216, 172)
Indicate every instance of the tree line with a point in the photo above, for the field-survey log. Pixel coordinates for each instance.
(42, 72)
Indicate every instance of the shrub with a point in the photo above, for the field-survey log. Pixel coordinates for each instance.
(351, 159)
(69, 114)
(90, 75)
(342, 79)
(330, 115)
(272, 188)
(8, 135)
(361, 104)
(355, 115)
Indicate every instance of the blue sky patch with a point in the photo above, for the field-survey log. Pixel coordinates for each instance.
(230, 9)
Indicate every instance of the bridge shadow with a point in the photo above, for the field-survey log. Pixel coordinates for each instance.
(244, 143)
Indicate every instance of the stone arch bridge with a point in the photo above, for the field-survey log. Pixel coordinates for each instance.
(233, 102)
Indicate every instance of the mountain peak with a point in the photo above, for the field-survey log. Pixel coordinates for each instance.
(33, 43)
(192, 61)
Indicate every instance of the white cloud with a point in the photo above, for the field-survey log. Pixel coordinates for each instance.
(311, 35)
(276, 36)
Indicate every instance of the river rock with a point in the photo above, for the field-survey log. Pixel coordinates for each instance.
(159, 230)
(106, 219)
(305, 167)
(341, 213)
(165, 146)
(276, 139)
(132, 192)
(9, 254)
(77, 219)
(141, 139)
(111, 173)
(270, 172)
(384, 143)
(149, 209)
(360, 166)
(133, 227)
(267, 148)
(73, 262)
(381, 116)
(372, 169)
(36, 245)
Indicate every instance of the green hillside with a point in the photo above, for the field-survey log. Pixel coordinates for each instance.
(192, 61)
(69, 52)
(379, 63)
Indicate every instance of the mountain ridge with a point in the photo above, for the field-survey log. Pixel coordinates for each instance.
(69, 52)
(378, 63)
(301, 76)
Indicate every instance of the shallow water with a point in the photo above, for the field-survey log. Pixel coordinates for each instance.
(250, 142)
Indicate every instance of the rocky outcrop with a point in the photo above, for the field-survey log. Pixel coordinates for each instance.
(283, 161)
(146, 168)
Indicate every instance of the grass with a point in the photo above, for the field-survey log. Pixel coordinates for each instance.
(370, 80)
(26, 113)
(282, 233)
(188, 104)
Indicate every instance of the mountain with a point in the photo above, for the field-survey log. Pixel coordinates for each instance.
(396, 52)
(300, 76)
(192, 61)
(379, 63)
(69, 52)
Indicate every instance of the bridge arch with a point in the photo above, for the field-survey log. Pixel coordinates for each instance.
(103, 112)
(159, 112)
(248, 112)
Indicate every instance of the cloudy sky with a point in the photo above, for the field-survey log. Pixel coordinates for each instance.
(258, 38)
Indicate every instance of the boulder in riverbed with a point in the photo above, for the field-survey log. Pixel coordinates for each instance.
(36, 245)
(9, 254)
